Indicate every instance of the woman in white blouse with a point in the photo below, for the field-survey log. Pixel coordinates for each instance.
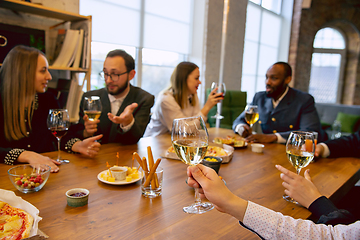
(263, 221)
(180, 100)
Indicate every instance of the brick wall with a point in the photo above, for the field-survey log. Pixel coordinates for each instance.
(341, 14)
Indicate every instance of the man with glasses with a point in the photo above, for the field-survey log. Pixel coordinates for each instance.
(125, 108)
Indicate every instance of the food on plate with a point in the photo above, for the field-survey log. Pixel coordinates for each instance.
(15, 223)
(212, 151)
(235, 141)
(131, 174)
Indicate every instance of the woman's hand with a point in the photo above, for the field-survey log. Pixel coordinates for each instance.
(214, 189)
(34, 159)
(88, 147)
(212, 100)
(301, 189)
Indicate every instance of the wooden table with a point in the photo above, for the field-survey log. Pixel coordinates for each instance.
(120, 212)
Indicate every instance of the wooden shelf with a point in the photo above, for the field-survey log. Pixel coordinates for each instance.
(40, 10)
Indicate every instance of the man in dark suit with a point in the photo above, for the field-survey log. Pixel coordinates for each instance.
(281, 109)
(346, 146)
(125, 108)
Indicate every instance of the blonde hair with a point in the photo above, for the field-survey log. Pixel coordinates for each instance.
(179, 83)
(18, 90)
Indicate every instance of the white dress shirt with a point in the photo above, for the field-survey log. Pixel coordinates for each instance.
(166, 110)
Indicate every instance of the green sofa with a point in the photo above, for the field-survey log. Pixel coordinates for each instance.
(233, 104)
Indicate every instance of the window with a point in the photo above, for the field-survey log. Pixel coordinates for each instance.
(327, 66)
(262, 43)
(156, 33)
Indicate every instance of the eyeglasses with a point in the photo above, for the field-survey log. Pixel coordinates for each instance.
(114, 77)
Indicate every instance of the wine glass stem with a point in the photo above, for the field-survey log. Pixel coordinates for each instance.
(197, 196)
(58, 149)
(298, 171)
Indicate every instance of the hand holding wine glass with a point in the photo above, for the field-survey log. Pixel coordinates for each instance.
(251, 115)
(190, 140)
(300, 150)
(92, 107)
(58, 123)
(220, 89)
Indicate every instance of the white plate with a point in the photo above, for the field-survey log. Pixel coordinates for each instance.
(226, 159)
(122, 182)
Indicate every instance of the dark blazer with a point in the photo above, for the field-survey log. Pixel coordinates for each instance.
(347, 146)
(111, 131)
(296, 111)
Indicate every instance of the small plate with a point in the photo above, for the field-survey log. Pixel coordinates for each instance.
(237, 147)
(122, 182)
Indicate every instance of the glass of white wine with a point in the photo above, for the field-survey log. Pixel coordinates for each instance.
(92, 107)
(221, 89)
(190, 140)
(300, 148)
(58, 122)
(251, 115)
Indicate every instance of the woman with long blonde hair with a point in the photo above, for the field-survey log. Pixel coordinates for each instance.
(180, 100)
(24, 106)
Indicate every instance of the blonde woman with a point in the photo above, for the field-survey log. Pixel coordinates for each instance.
(180, 100)
(24, 106)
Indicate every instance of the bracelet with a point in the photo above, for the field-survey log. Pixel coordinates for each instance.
(70, 143)
(13, 155)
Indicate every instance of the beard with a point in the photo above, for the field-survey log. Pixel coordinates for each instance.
(119, 90)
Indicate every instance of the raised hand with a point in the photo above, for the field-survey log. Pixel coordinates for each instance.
(125, 117)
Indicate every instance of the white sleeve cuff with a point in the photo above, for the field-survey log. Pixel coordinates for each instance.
(127, 128)
(280, 139)
(326, 152)
(240, 129)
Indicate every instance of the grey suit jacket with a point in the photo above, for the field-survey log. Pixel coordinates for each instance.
(296, 111)
(111, 131)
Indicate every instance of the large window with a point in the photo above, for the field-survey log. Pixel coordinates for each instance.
(156, 33)
(262, 42)
(327, 66)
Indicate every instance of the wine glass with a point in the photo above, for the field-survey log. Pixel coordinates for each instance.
(190, 140)
(300, 148)
(221, 89)
(92, 107)
(58, 122)
(251, 115)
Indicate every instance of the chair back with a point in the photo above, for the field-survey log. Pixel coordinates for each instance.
(233, 105)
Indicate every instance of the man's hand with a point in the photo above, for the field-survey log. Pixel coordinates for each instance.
(301, 189)
(245, 130)
(125, 117)
(319, 150)
(261, 138)
(90, 126)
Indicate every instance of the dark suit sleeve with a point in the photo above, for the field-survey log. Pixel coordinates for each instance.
(309, 118)
(324, 210)
(142, 117)
(347, 146)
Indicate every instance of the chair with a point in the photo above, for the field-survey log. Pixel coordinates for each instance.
(233, 104)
